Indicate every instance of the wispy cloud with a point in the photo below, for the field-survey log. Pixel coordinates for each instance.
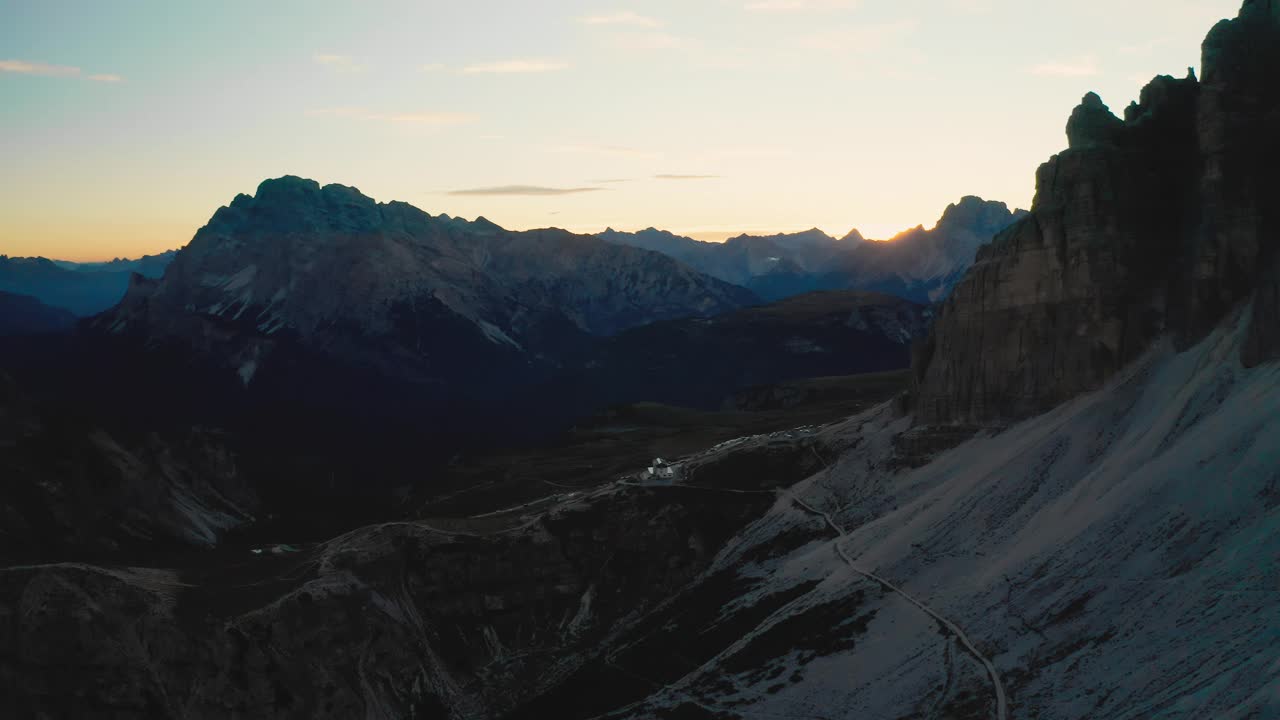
(339, 63)
(786, 6)
(503, 67)
(421, 119)
(38, 68)
(685, 177)
(431, 67)
(621, 17)
(1079, 67)
(524, 190)
(41, 69)
(611, 181)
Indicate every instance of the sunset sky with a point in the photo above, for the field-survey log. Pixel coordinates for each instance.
(124, 125)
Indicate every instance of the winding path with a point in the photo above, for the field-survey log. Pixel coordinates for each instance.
(1002, 704)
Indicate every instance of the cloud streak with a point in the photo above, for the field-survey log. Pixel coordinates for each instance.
(515, 67)
(420, 119)
(41, 69)
(522, 191)
(23, 67)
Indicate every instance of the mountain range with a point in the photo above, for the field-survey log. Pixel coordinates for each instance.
(920, 265)
(308, 317)
(82, 289)
(25, 315)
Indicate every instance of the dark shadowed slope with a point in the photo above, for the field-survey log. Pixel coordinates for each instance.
(84, 290)
(26, 315)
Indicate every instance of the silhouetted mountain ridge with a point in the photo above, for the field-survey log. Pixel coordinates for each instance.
(920, 265)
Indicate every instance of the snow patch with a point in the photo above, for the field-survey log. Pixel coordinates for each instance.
(247, 370)
(496, 335)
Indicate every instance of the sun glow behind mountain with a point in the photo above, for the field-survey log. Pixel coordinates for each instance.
(123, 130)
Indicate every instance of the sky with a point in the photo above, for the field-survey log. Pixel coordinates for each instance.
(125, 125)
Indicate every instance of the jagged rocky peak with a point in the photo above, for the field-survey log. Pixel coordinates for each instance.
(1092, 124)
(853, 237)
(1160, 224)
(293, 205)
(975, 214)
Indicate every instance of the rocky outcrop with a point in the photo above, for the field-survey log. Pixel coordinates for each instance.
(1092, 125)
(1158, 223)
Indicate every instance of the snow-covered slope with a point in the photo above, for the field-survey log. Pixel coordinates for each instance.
(1115, 558)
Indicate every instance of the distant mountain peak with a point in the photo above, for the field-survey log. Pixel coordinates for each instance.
(974, 212)
(330, 270)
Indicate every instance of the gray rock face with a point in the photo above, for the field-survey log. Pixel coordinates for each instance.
(1160, 223)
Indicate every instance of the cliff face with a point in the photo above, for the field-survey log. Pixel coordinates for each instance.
(1158, 223)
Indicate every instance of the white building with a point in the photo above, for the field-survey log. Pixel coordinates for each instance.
(662, 469)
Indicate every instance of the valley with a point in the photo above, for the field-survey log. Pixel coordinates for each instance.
(342, 458)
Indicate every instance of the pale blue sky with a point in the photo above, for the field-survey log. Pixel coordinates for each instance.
(124, 125)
